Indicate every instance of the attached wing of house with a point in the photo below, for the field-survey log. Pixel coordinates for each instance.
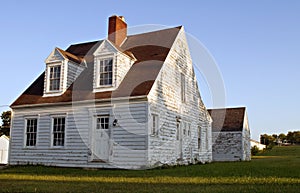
(231, 134)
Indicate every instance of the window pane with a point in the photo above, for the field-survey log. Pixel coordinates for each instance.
(31, 132)
(105, 72)
(54, 79)
(58, 131)
(103, 122)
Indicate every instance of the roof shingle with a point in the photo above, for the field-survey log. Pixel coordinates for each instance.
(150, 49)
(227, 119)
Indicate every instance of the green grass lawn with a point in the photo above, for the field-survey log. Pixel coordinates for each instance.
(277, 170)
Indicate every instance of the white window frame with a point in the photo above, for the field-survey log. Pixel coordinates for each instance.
(154, 125)
(25, 131)
(52, 131)
(52, 65)
(98, 73)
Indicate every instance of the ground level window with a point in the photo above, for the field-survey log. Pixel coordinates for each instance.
(31, 132)
(154, 124)
(189, 130)
(59, 131)
(199, 137)
(103, 122)
(177, 130)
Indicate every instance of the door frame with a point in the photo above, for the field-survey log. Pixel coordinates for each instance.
(93, 114)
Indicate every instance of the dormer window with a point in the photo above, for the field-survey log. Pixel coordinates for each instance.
(54, 78)
(110, 67)
(105, 72)
(62, 69)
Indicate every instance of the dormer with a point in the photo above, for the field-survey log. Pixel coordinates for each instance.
(111, 64)
(110, 67)
(62, 68)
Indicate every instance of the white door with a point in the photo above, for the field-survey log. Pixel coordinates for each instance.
(101, 136)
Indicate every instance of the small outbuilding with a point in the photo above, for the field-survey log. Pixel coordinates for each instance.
(257, 144)
(230, 134)
(4, 146)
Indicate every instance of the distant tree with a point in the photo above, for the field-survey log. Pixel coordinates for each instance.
(270, 140)
(6, 119)
(267, 139)
(282, 136)
(293, 137)
(297, 136)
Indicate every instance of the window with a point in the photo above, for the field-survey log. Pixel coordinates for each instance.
(59, 131)
(54, 78)
(177, 130)
(184, 128)
(199, 137)
(154, 124)
(189, 129)
(31, 132)
(206, 139)
(105, 70)
(103, 122)
(205, 145)
(182, 87)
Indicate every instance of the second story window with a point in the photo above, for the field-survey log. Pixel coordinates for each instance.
(54, 78)
(182, 78)
(105, 72)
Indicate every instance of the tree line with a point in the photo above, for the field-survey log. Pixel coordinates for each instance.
(292, 137)
(5, 126)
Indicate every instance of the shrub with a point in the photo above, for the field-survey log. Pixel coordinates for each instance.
(254, 150)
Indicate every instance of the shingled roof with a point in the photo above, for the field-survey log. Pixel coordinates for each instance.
(227, 119)
(150, 49)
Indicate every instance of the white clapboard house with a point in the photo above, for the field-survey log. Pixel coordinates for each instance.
(127, 101)
(230, 134)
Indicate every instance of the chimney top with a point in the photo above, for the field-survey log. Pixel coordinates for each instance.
(117, 29)
(123, 18)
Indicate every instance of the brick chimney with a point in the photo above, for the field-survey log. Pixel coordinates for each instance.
(117, 29)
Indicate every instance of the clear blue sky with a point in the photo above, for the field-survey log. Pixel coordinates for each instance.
(256, 45)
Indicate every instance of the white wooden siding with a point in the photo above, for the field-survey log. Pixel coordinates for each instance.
(246, 139)
(227, 146)
(129, 139)
(232, 146)
(165, 100)
(74, 71)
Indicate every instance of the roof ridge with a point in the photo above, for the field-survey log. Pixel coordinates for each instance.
(226, 108)
(89, 42)
(169, 28)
